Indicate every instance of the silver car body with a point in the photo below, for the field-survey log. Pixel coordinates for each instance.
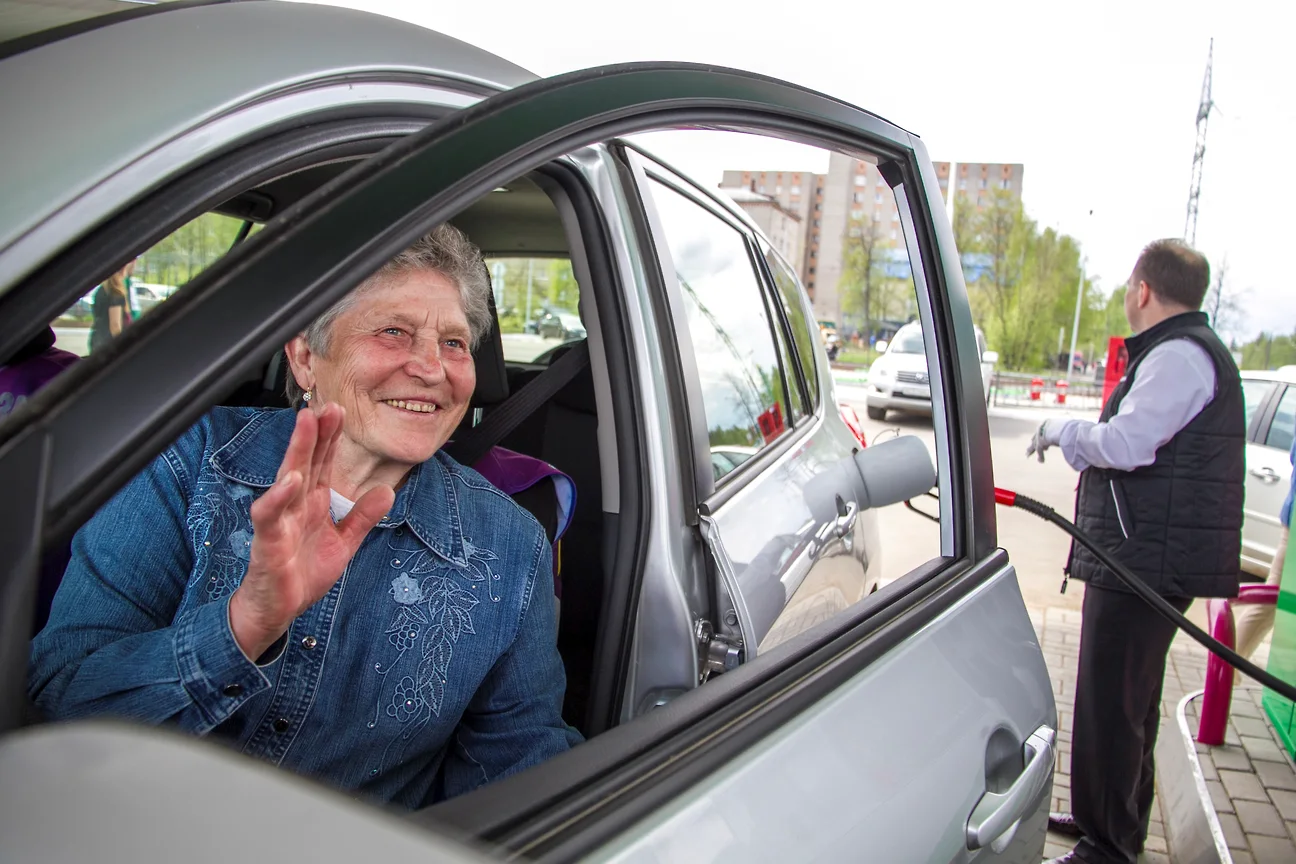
(912, 725)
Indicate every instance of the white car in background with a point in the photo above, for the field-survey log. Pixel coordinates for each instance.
(1270, 399)
(899, 381)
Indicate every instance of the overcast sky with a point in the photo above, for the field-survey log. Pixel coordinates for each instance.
(1097, 99)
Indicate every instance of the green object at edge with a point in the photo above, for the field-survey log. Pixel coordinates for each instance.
(1282, 657)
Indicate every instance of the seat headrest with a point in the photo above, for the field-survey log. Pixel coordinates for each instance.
(492, 377)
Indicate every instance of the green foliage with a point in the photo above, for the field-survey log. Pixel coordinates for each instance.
(1268, 351)
(867, 291)
(1022, 283)
(189, 250)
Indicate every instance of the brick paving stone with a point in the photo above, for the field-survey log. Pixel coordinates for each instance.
(1240, 857)
(1154, 858)
(1230, 758)
(1285, 802)
(1253, 726)
(1156, 844)
(1219, 797)
(1054, 849)
(1275, 775)
(1232, 831)
(1273, 850)
(1263, 749)
(1243, 785)
(1208, 768)
(1260, 818)
(1245, 708)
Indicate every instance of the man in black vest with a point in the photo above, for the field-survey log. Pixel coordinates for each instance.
(1161, 488)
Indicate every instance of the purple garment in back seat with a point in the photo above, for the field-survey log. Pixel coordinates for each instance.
(512, 472)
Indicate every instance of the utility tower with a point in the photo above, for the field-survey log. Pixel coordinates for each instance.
(1199, 152)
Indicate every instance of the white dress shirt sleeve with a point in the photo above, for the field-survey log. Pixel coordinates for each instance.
(1171, 386)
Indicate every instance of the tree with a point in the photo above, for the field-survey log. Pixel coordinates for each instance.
(1223, 304)
(864, 269)
(1268, 351)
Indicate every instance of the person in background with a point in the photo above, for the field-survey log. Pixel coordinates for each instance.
(1161, 488)
(111, 308)
(1254, 620)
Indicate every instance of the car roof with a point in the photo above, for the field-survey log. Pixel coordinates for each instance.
(80, 104)
(1285, 374)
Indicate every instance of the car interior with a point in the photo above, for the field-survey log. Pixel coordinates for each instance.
(518, 220)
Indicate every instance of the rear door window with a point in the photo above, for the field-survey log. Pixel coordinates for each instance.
(1254, 393)
(1283, 427)
(743, 391)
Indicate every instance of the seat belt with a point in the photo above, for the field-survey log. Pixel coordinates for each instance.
(510, 413)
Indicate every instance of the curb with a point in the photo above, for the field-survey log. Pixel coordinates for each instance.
(1193, 831)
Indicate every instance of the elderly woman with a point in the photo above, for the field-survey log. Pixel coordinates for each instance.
(323, 588)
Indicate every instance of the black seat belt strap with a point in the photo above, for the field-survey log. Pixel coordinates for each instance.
(521, 405)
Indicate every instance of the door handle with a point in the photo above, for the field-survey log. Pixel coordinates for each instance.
(847, 513)
(1266, 475)
(997, 813)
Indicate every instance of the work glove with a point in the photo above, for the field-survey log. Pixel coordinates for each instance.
(1045, 437)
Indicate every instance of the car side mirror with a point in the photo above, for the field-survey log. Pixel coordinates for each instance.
(990, 357)
(881, 346)
(895, 471)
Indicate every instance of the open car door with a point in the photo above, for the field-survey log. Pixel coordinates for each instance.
(931, 705)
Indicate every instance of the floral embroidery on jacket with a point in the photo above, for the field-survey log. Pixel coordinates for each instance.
(220, 523)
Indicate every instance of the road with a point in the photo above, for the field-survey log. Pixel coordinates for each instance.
(1038, 550)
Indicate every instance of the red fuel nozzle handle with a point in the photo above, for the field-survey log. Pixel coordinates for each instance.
(1004, 497)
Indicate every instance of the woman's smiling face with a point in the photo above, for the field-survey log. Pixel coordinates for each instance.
(399, 361)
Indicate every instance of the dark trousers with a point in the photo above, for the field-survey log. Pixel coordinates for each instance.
(1123, 646)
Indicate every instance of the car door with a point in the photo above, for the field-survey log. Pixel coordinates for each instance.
(1268, 477)
(918, 725)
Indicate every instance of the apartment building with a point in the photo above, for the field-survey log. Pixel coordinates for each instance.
(853, 192)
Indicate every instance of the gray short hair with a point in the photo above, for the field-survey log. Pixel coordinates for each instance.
(446, 250)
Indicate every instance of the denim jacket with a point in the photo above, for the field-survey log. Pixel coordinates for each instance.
(429, 669)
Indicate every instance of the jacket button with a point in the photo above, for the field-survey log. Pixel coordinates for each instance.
(309, 642)
(232, 690)
(281, 725)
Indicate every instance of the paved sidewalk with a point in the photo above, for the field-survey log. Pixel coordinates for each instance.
(1252, 781)
(1059, 634)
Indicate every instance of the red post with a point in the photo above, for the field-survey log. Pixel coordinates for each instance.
(1219, 676)
(1037, 387)
(1061, 392)
(1218, 697)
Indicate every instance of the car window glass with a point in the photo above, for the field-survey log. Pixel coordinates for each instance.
(742, 385)
(536, 299)
(120, 300)
(804, 334)
(192, 527)
(151, 279)
(1283, 427)
(908, 341)
(1253, 394)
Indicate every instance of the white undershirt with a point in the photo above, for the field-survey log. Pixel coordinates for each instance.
(339, 507)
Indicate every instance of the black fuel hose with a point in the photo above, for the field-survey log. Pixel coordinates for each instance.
(1135, 584)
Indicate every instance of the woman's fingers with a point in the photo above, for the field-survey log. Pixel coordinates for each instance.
(301, 446)
(268, 510)
(372, 506)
